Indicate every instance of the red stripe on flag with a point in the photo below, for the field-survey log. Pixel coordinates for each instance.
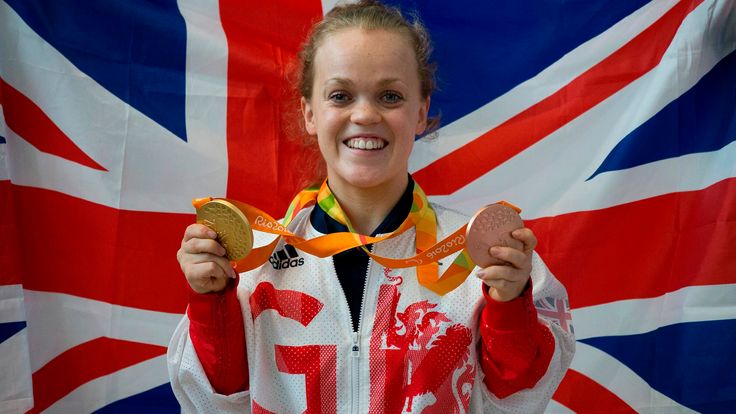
(73, 246)
(83, 363)
(27, 120)
(265, 167)
(583, 395)
(645, 248)
(631, 61)
(10, 252)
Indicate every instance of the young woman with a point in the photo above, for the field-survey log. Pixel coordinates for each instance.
(346, 334)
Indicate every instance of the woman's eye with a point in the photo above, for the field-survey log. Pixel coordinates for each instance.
(339, 97)
(391, 97)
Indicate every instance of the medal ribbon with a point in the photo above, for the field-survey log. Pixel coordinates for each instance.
(421, 216)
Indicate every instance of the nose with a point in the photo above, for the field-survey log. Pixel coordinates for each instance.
(365, 113)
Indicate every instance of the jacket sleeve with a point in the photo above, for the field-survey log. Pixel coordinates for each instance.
(207, 355)
(524, 356)
(515, 347)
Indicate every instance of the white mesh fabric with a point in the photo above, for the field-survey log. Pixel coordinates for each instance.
(300, 341)
(189, 381)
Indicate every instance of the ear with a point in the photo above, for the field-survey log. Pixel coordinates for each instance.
(308, 114)
(423, 114)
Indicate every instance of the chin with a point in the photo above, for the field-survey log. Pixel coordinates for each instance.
(365, 182)
(361, 178)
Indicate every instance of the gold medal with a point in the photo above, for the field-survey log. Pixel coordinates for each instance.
(230, 224)
(491, 226)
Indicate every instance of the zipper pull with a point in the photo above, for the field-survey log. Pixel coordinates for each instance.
(356, 347)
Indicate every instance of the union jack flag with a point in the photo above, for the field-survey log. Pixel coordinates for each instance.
(557, 311)
(612, 124)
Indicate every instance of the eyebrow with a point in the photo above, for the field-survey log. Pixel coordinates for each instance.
(345, 81)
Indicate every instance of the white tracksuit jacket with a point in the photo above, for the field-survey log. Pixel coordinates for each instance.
(304, 354)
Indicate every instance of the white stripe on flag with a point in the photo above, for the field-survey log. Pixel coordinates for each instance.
(16, 388)
(107, 389)
(556, 408)
(638, 316)
(84, 320)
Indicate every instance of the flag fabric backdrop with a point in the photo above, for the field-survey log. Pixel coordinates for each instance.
(612, 124)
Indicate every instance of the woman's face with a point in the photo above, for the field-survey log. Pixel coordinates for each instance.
(366, 107)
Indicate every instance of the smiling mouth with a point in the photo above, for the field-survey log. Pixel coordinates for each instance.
(365, 143)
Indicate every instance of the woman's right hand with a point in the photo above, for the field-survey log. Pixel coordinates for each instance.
(203, 261)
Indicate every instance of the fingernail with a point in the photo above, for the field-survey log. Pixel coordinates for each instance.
(212, 234)
(495, 250)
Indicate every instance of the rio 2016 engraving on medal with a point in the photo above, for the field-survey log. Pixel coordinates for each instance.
(491, 226)
(230, 224)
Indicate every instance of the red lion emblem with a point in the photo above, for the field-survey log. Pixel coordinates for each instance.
(410, 358)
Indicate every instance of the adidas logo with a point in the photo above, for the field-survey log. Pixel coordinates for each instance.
(286, 258)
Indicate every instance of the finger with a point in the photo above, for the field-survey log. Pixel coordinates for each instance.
(506, 282)
(507, 273)
(206, 277)
(223, 264)
(503, 291)
(499, 284)
(196, 273)
(526, 236)
(197, 245)
(199, 231)
(207, 271)
(514, 257)
(511, 242)
(504, 285)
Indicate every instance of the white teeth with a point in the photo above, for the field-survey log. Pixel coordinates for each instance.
(365, 143)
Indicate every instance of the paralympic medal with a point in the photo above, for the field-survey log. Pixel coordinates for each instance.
(230, 224)
(491, 226)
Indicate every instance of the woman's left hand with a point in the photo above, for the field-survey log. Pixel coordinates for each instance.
(507, 281)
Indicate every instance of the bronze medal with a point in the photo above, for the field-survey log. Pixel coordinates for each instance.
(491, 226)
(230, 224)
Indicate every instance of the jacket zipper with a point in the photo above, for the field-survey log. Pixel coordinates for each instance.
(355, 350)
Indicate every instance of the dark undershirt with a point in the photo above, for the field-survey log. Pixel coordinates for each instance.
(352, 265)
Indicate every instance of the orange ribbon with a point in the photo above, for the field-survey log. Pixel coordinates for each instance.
(422, 215)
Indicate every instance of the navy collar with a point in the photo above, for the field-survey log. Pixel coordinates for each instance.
(325, 224)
